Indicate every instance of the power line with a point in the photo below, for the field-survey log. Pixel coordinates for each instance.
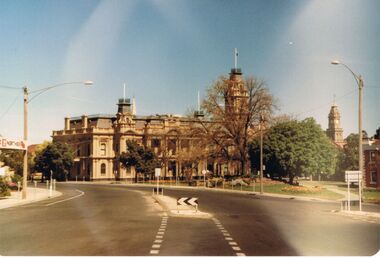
(10, 87)
(10, 106)
(325, 104)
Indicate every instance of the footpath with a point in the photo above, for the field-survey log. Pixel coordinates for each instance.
(32, 195)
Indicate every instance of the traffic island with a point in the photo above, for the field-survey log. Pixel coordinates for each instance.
(171, 206)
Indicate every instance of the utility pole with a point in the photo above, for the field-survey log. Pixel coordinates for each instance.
(25, 165)
(261, 155)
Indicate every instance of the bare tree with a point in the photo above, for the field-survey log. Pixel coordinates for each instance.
(233, 110)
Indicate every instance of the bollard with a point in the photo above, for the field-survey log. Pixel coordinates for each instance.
(54, 185)
(83, 179)
(76, 178)
(35, 189)
(47, 184)
(18, 188)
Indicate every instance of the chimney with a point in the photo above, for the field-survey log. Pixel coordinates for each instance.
(67, 123)
(84, 121)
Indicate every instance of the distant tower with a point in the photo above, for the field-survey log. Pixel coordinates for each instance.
(236, 91)
(334, 131)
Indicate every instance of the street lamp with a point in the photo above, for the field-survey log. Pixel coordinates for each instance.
(26, 102)
(359, 81)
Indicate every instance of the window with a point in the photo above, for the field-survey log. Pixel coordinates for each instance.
(156, 143)
(103, 169)
(372, 156)
(373, 175)
(102, 149)
(89, 150)
(172, 146)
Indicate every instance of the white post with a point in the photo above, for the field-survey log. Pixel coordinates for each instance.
(54, 186)
(35, 189)
(158, 183)
(76, 178)
(360, 191)
(51, 184)
(348, 197)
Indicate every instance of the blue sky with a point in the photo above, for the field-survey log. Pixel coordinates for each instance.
(165, 51)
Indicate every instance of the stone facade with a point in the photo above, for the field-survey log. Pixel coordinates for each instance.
(98, 140)
(334, 130)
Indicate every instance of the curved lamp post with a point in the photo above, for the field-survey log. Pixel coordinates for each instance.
(26, 102)
(359, 81)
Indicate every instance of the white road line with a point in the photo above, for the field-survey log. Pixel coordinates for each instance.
(68, 199)
(159, 237)
(228, 238)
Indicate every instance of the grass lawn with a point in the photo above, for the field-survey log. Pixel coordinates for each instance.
(279, 189)
(371, 195)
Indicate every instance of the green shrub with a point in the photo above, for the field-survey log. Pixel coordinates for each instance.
(4, 189)
(16, 178)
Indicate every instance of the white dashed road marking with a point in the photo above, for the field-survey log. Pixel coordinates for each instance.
(228, 238)
(159, 237)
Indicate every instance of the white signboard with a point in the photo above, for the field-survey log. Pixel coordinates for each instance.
(6, 143)
(157, 171)
(353, 176)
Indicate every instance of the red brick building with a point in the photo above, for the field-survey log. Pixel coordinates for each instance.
(371, 150)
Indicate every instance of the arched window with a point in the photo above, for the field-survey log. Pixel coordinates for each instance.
(102, 149)
(103, 169)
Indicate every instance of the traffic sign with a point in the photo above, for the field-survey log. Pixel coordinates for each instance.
(353, 176)
(187, 201)
(157, 171)
(204, 172)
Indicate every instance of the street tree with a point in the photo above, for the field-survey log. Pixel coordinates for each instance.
(295, 148)
(348, 158)
(56, 157)
(233, 110)
(13, 159)
(142, 159)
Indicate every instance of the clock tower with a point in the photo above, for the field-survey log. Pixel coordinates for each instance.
(334, 131)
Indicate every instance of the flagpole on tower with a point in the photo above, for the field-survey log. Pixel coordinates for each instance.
(236, 56)
(124, 92)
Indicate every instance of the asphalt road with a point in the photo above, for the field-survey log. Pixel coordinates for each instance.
(120, 220)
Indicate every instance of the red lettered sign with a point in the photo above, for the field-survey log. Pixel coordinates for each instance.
(6, 143)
